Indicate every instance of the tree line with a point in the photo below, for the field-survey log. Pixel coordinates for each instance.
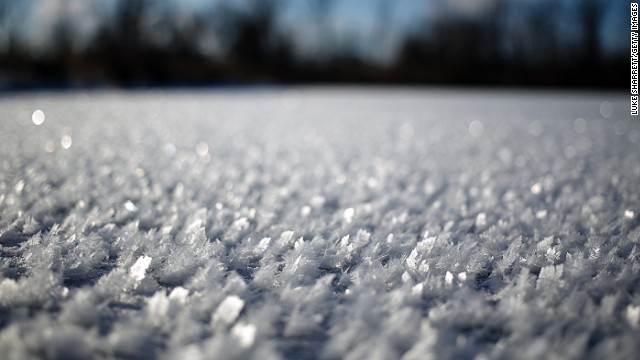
(147, 43)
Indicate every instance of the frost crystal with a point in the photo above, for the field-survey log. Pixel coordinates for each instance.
(179, 294)
(344, 242)
(406, 277)
(448, 277)
(552, 254)
(286, 237)
(411, 260)
(348, 214)
(228, 310)
(263, 245)
(245, 333)
(481, 219)
(241, 224)
(476, 128)
(38, 117)
(633, 316)
(158, 305)
(66, 141)
(139, 269)
(536, 188)
(130, 206)
(317, 201)
(305, 211)
(417, 289)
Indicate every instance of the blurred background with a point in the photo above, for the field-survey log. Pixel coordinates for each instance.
(144, 43)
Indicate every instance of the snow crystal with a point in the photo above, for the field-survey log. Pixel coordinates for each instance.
(348, 214)
(179, 294)
(417, 289)
(130, 206)
(66, 141)
(241, 224)
(481, 219)
(411, 259)
(406, 277)
(580, 125)
(541, 214)
(317, 201)
(8, 286)
(305, 211)
(19, 186)
(228, 310)
(606, 109)
(344, 241)
(138, 270)
(158, 305)
(633, 316)
(552, 254)
(476, 128)
(448, 277)
(170, 150)
(448, 226)
(263, 245)
(49, 146)
(245, 333)
(620, 127)
(536, 188)
(38, 117)
(286, 237)
(202, 149)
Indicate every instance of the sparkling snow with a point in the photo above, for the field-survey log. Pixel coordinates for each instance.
(319, 223)
(139, 270)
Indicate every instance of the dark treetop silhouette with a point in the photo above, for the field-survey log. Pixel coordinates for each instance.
(165, 42)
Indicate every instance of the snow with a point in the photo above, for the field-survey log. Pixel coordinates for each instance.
(263, 245)
(179, 294)
(324, 223)
(228, 310)
(139, 269)
(348, 214)
(246, 334)
(130, 206)
(476, 128)
(66, 141)
(448, 278)
(38, 117)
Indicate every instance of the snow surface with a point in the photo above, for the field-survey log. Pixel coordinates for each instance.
(347, 224)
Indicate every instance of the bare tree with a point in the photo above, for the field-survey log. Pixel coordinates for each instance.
(257, 40)
(590, 15)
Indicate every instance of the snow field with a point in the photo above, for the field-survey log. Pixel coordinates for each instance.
(348, 224)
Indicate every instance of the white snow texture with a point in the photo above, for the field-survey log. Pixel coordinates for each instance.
(351, 224)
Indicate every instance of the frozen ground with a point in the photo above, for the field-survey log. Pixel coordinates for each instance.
(319, 223)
